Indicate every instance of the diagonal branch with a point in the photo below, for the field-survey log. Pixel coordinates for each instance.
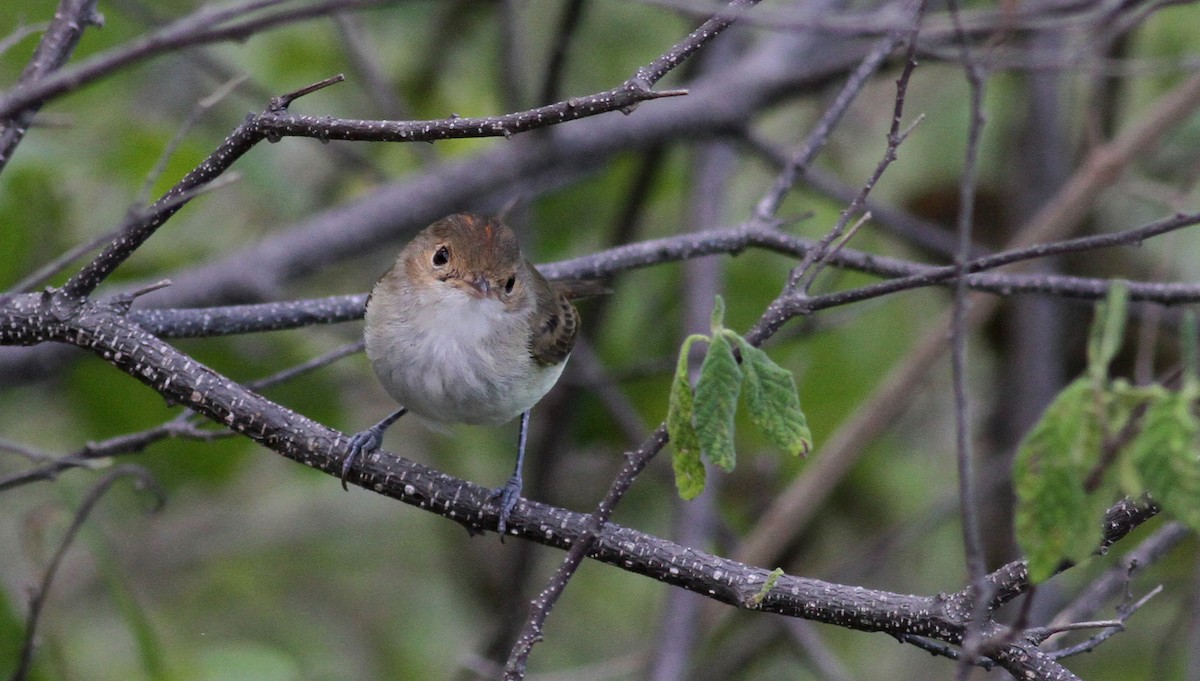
(57, 45)
(105, 332)
(276, 122)
(204, 26)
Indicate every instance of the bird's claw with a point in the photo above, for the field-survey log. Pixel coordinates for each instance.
(508, 496)
(362, 442)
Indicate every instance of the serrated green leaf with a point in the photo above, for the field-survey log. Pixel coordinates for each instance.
(1108, 328)
(689, 469)
(1055, 519)
(772, 399)
(689, 472)
(1166, 456)
(717, 391)
(718, 316)
(1132, 399)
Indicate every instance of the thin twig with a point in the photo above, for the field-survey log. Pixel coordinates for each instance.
(183, 426)
(307, 367)
(906, 275)
(964, 452)
(202, 107)
(768, 205)
(918, 231)
(43, 274)
(837, 247)
(1114, 628)
(1115, 579)
(568, 23)
(939, 649)
(276, 122)
(20, 33)
(31, 453)
(806, 273)
(37, 600)
(204, 26)
(539, 609)
(96, 454)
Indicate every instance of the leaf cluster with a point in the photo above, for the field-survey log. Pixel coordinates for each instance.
(1101, 438)
(700, 421)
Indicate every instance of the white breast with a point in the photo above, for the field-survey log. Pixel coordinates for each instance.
(461, 359)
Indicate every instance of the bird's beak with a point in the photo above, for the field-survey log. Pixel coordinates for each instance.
(480, 284)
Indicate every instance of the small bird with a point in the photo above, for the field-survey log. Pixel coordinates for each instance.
(463, 329)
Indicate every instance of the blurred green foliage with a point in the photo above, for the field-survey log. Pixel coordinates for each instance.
(260, 568)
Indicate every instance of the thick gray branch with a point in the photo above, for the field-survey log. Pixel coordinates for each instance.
(104, 330)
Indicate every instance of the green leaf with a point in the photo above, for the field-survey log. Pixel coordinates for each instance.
(1108, 328)
(689, 469)
(717, 391)
(1166, 456)
(718, 316)
(772, 399)
(1055, 519)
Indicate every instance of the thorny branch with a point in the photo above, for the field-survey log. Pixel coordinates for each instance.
(180, 378)
(941, 618)
(539, 610)
(277, 122)
(127, 340)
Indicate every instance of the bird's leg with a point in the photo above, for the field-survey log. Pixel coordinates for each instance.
(367, 441)
(511, 492)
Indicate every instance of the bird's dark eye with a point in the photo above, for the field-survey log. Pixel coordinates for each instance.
(441, 256)
(508, 285)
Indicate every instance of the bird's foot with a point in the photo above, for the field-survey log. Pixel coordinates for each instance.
(362, 442)
(508, 496)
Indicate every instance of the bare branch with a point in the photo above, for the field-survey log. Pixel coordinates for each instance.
(768, 206)
(181, 379)
(206, 25)
(906, 275)
(804, 275)
(57, 45)
(94, 454)
(571, 17)
(276, 122)
(31, 453)
(1113, 628)
(38, 600)
(20, 33)
(964, 452)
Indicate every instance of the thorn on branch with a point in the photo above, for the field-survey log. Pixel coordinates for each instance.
(939, 649)
(125, 300)
(282, 102)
